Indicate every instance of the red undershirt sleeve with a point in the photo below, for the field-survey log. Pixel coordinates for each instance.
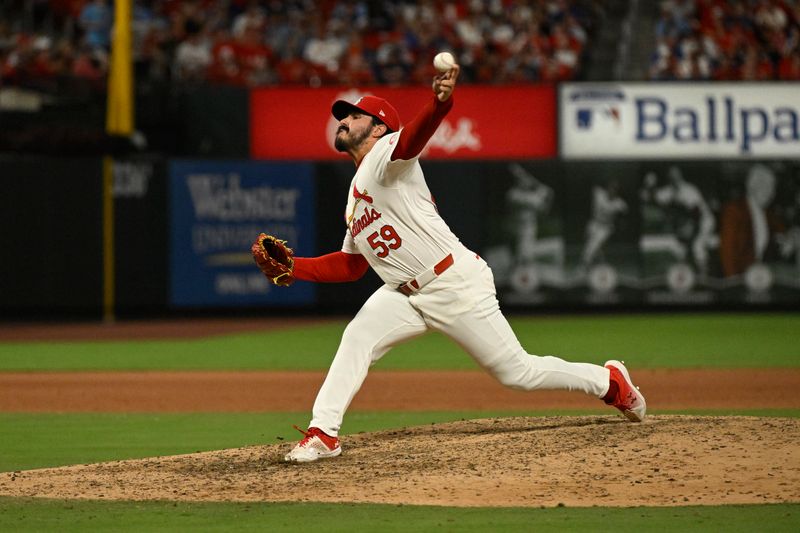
(330, 268)
(416, 134)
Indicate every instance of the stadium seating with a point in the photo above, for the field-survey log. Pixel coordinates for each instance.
(262, 43)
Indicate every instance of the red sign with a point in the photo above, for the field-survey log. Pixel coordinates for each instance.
(485, 122)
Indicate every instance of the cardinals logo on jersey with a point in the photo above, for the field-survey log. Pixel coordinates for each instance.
(358, 196)
(361, 195)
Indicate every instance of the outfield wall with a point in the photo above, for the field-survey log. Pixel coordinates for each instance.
(583, 228)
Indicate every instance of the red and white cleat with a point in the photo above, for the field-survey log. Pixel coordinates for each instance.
(627, 399)
(316, 445)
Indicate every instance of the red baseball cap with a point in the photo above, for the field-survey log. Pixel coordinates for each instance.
(371, 105)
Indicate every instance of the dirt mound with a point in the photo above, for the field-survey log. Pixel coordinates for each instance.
(574, 461)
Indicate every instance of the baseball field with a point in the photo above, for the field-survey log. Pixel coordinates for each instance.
(182, 424)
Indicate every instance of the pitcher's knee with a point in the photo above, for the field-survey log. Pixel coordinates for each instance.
(357, 336)
(511, 380)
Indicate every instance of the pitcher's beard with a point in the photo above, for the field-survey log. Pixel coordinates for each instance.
(345, 143)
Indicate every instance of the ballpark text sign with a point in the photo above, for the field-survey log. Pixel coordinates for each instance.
(671, 120)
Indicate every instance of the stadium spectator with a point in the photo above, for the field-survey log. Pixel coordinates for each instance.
(193, 55)
(325, 48)
(253, 17)
(254, 58)
(224, 68)
(789, 65)
(96, 19)
(354, 69)
(90, 65)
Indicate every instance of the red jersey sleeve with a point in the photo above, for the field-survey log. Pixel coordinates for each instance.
(416, 134)
(331, 268)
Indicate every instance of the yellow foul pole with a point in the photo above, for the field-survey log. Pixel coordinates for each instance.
(119, 114)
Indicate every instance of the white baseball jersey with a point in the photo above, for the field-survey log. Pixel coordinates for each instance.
(392, 219)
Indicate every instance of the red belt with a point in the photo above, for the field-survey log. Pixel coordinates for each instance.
(412, 286)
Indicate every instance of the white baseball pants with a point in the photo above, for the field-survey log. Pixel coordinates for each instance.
(462, 304)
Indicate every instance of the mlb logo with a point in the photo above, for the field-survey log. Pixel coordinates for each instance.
(584, 118)
(613, 113)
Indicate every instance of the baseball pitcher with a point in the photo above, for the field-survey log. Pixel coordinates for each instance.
(432, 281)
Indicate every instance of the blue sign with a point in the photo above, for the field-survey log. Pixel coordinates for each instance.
(218, 208)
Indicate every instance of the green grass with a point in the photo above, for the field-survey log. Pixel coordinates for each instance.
(64, 516)
(37, 440)
(644, 341)
(309, 348)
(672, 341)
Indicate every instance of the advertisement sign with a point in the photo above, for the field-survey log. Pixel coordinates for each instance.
(759, 231)
(720, 232)
(524, 231)
(681, 121)
(657, 233)
(601, 232)
(218, 208)
(563, 233)
(679, 241)
(484, 123)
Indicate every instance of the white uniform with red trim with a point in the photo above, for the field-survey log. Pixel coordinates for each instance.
(393, 222)
(392, 219)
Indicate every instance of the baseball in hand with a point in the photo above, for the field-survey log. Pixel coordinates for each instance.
(444, 61)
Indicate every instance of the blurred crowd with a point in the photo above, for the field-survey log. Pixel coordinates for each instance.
(752, 40)
(300, 42)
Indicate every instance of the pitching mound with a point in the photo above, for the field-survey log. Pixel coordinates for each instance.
(574, 461)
